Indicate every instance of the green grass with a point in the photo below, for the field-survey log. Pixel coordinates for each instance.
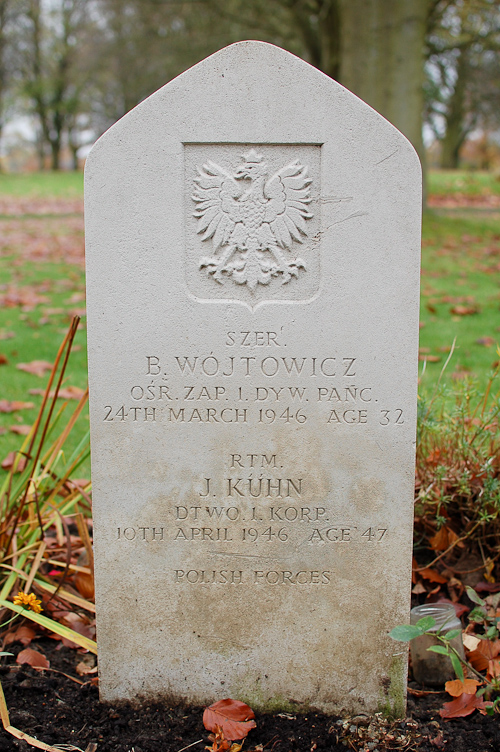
(449, 182)
(42, 282)
(460, 262)
(460, 272)
(42, 184)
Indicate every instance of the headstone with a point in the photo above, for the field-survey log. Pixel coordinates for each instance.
(253, 270)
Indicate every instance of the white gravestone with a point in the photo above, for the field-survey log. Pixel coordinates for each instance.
(253, 270)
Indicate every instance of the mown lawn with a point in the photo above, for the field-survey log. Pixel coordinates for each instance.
(42, 286)
(470, 183)
(42, 184)
(460, 295)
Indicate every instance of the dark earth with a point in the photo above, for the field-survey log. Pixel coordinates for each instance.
(64, 709)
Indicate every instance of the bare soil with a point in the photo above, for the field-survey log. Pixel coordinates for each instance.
(59, 707)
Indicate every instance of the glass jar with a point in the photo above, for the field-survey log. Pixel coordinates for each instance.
(429, 668)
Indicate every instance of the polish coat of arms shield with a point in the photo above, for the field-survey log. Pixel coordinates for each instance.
(252, 222)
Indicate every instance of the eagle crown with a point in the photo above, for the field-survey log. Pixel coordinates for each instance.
(253, 167)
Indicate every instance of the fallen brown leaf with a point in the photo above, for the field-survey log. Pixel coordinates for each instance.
(12, 407)
(36, 367)
(470, 641)
(78, 624)
(22, 634)
(22, 429)
(84, 583)
(443, 539)
(235, 718)
(432, 576)
(464, 310)
(438, 741)
(219, 741)
(33, 658)
(457, 687)
(8, 462)
(71, 392)
(462, 706)
(429, 358)
(486, 651)
(493, 670)
(82, 669)
(3, 359)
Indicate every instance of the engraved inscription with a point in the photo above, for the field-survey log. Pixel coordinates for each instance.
(217, 389)
(253, 219)
(256, 577)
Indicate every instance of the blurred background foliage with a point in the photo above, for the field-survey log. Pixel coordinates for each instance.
(70, 68)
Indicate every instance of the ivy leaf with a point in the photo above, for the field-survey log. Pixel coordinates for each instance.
(457, 666)
(427, 622)
(477, 615)
(405, 632)
(438, 649)
(474, 597)
(452, 634)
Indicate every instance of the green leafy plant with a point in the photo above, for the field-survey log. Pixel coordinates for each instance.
(457, 504)
(487, 684)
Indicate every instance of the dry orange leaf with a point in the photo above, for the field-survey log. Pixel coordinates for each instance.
(488, 648)
(477, 660)
(493, 670)
(457, 687)
(22, 634)
(432, 576)
(233, 717)
(70, 392)
(464, 310)
(37, 367)
(12, 407)
(33, 658)
(82, 669)
(21, 428)
(430, 358)
(443, 539)
(219, 741)
(84, 583)
(8, 462)
(462, 706)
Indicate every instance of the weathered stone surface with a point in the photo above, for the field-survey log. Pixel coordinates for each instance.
(253, 397)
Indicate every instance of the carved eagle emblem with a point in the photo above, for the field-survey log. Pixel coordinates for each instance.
(253, 220)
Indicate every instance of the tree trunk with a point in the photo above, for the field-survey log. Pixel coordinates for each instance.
(74, 157)
(40, 151)
(55, 148)
(320, 34)
(382, 59)
(456, 129)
